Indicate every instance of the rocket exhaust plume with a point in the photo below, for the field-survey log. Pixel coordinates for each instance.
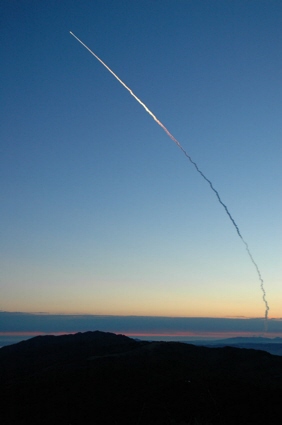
(197, 169)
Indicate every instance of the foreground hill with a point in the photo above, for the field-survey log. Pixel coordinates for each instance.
(102, 378)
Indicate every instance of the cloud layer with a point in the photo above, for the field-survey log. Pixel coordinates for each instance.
(27, 324)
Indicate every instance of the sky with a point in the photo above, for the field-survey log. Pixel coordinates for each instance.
(101, 213)
(15, 327)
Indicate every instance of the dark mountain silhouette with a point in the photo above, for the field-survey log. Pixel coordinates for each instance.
(251, 340)
(102, 378)
(271, 345)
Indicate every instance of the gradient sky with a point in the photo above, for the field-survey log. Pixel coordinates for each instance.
(101, 213)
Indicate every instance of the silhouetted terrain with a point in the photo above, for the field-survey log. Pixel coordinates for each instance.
(271, 345)
(102, 378)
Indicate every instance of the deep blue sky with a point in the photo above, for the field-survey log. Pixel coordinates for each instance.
(101, 213)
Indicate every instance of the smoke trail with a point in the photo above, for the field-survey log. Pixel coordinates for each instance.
(198, 170)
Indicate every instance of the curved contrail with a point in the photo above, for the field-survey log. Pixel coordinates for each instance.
(198, 170)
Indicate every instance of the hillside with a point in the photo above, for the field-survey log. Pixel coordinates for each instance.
(271, 345)
(102, 378)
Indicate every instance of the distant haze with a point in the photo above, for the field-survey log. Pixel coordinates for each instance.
(18, 326)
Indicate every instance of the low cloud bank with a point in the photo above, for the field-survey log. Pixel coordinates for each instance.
(28, 325)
